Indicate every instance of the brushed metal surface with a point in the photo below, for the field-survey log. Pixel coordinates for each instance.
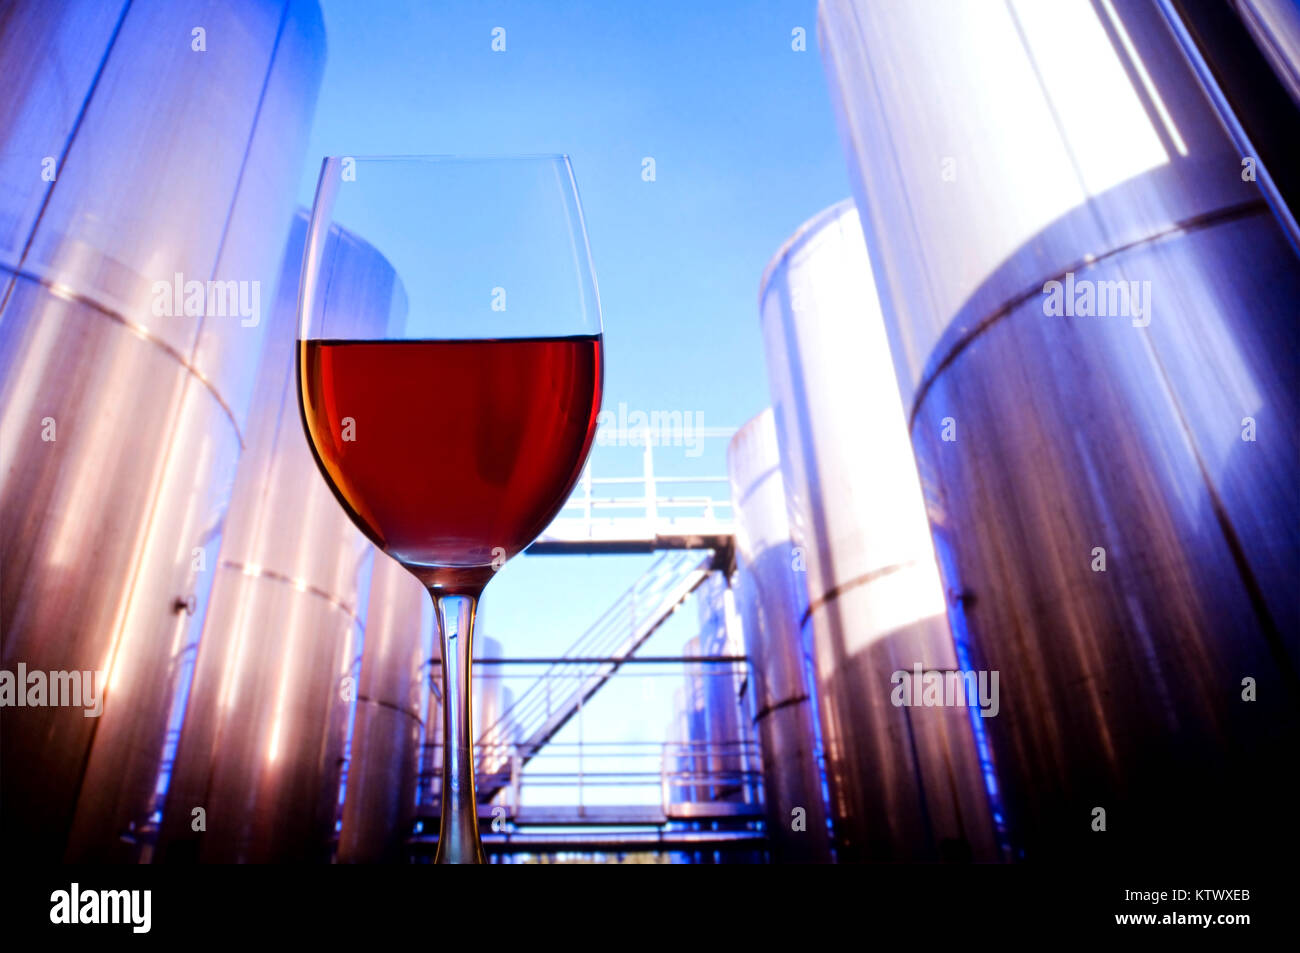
(47, 76)
(389, 722)
(261, 745)
(731, 760)
(491, 736)
(720, 634)
(695, 735)
(1123, 688)
(157, 170)
(906, 782)
(771, 599)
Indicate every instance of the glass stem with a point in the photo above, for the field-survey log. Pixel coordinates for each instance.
(458, 840)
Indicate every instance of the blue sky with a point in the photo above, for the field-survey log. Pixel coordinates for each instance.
(740, 127)
(738, 123)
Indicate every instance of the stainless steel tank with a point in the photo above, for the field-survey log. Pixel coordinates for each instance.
(723, 683)
(502, 740)
(1111, 486)
(379, 802)
(675, 762)
(695, 735)
(490, 738)
(677, 769)
(729, 757)
(772, 600)
(262, 740)
(134, 165)
(428, 790)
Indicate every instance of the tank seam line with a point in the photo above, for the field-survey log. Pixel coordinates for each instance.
(65, 293)
(836, 591)
(784, 703)
(67, 148)
(260, 572)
(389, 705)
(1184, 226)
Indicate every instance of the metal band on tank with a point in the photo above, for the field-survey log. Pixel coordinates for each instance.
(258, 572)
(834, 592)
(391, 707)
(1237, 549)
(958, 339)
(65, 293)
(777, 706)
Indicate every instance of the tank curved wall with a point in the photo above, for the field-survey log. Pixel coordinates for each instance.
(904, 782)
(676, 763)
(1110, 485)
(379, 802)
(695, 737)
(130, 175)
(723, 682)
(490, 738)
(771, 600)
(262, 740)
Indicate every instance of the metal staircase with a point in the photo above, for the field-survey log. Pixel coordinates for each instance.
(559, 692)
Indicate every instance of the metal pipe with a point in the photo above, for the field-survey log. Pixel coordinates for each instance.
(262, 741)
(145, 210)
(1091, 316)
(610, 660)
(609, 842)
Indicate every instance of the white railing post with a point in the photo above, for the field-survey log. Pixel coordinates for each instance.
(581, 811)
(663, 778)
(631, 615)
(586, 499)
(651, 494)
(515, 766)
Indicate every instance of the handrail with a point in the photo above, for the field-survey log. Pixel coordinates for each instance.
(536, 714)
(680, 770)
(647, 512)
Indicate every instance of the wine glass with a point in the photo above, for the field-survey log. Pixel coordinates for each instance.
(451, 402)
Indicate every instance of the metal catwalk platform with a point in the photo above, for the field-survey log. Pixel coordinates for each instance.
(708, 799)
(679, 795)
(644, 513)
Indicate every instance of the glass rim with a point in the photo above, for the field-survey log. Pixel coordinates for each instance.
(454, 157)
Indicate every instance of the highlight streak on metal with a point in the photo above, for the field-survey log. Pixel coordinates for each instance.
(67, 147)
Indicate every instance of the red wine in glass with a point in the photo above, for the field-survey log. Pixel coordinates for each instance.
(452, 456)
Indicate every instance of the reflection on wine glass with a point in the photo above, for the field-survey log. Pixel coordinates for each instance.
(453, 428)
